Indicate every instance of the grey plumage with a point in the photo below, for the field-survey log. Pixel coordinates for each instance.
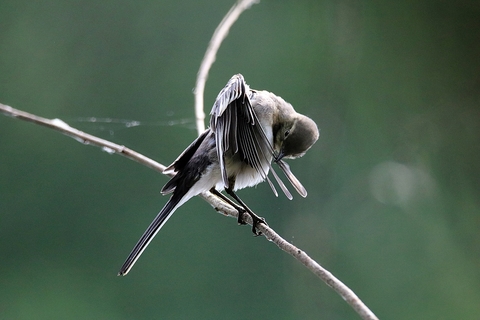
(248, 130)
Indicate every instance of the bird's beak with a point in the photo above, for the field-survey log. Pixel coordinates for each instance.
(279, 156)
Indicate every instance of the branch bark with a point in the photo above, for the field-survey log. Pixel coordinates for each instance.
(219, 205)
(219, 35)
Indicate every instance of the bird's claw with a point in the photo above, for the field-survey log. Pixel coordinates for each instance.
(255, 220)
(240, 220)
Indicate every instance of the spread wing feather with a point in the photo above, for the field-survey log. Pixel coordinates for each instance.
(238, 131)
(236, 128)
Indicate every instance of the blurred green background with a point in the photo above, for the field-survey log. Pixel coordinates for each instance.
(394, 181)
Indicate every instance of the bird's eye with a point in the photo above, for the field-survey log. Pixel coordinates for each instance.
(287, 133)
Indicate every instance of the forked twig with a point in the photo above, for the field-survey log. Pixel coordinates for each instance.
(220, 33)
(218, 36)
(219, 205)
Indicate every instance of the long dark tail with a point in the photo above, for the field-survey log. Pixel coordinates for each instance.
(150, 233)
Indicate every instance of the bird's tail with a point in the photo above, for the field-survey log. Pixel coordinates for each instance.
(152, 230)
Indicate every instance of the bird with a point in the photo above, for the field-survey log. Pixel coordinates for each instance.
(249, 129)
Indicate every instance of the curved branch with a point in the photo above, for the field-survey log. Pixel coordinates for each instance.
(219, 205)
(219, 35)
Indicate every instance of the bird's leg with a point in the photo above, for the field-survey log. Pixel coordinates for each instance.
(240, 210)
(255, 219)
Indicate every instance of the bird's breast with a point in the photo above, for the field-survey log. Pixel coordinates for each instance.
(245, 175)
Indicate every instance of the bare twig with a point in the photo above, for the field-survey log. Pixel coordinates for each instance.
(345, 292)
(218, 204)
(218, 36)
(220, 33)
(82, 137)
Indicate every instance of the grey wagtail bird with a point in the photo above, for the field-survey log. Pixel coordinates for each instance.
(248, 130)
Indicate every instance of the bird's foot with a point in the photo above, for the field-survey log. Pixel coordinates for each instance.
(255, 220)
(241, 212)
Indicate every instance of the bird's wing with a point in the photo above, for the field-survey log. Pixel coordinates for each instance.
(291, 177)
(236, 127)
(238, 131)
(186, 155)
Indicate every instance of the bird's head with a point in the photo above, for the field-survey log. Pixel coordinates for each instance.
(294, 133)
(297, 137)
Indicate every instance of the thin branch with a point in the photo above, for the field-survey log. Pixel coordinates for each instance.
(82, 137)
(345, 292)
(219, 205)
(219, 35)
